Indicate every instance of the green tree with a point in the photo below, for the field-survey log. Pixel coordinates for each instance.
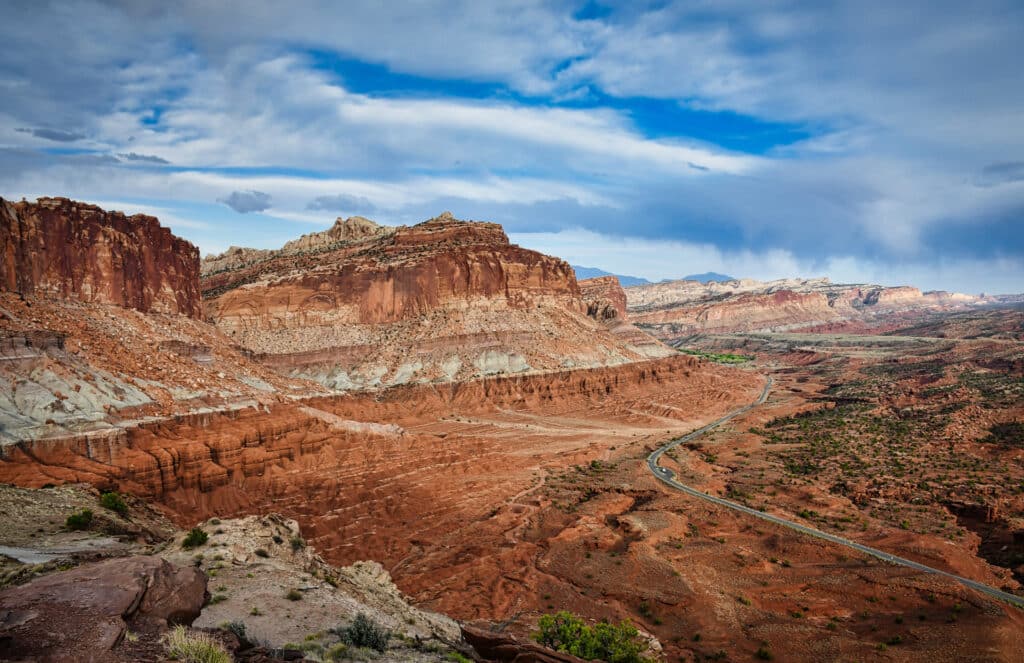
(613, 643)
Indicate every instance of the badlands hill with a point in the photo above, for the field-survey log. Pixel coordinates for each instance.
(363, 305)
(681, 308)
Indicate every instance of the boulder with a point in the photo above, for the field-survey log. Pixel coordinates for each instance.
(81, 614)
(493, 646)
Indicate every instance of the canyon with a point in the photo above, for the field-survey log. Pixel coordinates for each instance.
(468, 415)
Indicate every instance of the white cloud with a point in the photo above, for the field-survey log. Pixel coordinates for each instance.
(659, 259)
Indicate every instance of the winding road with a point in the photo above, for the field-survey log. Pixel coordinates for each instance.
(667, 477)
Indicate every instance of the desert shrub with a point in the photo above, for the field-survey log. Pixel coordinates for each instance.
(364, 632)
(80, 520)
(613, 643)
(297, 543)
(114, 502)
(293, 595)
(1010, 434)
(195, 538)
(237, 628)
(763, 653)
(189, 647)
(261, 552)
(337, 652)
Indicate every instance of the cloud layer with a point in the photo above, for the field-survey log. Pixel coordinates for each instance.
(773, 136)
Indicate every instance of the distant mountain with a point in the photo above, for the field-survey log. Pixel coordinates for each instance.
(594, 272)
(708, 276)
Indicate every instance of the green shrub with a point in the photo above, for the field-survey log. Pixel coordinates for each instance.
(261, 552)
(114, 502)
(189, 647)
(364, 632)
(337, 652)
(80, 520)
(293, 595)
(763, 654)
(297, 543)
(568, 633)
(195, 538)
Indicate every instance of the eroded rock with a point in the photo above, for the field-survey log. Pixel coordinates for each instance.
(81, 614)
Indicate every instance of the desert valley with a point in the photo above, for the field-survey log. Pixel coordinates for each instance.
(448, 435)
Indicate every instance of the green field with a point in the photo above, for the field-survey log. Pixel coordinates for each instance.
(724, 358)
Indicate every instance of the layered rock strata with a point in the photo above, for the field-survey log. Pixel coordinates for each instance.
(606, 303)
(680, 308)
(365, 306)
(72, 250)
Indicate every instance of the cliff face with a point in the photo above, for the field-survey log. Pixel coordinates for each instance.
(72, 250)
(681, 308)
(604, 297)
(361, 305)
(606, 303)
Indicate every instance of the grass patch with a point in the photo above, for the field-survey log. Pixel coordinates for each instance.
(188, 647)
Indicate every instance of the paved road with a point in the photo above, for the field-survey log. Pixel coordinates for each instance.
(667, 477)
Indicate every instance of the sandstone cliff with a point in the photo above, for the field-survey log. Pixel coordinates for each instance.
(679, 308)
(604, 297)
(365, 306)
(56, 246)
(606, 303)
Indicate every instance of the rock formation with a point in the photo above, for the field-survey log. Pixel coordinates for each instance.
(606, 303)
(56, 246)
(352, 229)
(360, 305)
(605, 298)
(68, 367)
(81, 614)
(681, 308)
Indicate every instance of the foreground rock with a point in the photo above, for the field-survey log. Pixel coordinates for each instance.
(494, 646)
(265, 576)
(80, 615)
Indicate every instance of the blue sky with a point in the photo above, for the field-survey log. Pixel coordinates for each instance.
(858, 140)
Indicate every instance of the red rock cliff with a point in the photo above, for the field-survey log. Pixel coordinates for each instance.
(604, 297)
(74, 250)
(362, 305)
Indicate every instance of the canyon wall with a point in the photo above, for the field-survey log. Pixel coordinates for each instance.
(68, 249)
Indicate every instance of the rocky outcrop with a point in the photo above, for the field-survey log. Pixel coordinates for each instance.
(604, 297)
(352, 229)
(256, 557)
(493, 646)
(72, 250)
(365, 306)
(606, 303)
(81, 614)
(674, 309)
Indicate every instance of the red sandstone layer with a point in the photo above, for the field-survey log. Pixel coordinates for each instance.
(64, 248)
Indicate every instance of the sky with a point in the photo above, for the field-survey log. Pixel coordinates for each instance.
(864, 141)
